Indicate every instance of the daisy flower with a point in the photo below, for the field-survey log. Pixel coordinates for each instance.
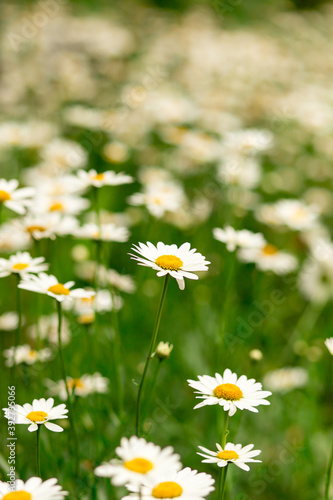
(106, 232)
(49, 285)
(329, 344)
(242, 239)
(33, 489)
(22, 263)
(187, 484)
(64, 205)
(179, 262)
(139, 460)
(15, 199)
(108, 178)
(82, 386)
(269, 258)
(25, 354)
(39, 413)
(230, 392)
(232, 453)
(64, 154)
(286, 379)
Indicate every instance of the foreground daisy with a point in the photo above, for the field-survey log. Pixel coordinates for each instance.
(33, 489)
(139, 461)
(15, 199)
(187, 484)
(179, 262)
(40, 412)
(22, 263)
(230, 392)
(233, 453)
(49, 285)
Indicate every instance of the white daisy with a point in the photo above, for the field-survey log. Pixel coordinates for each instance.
(9, 321)
(81, 386)
(187, 484)
(108, 178)
(39, 413)
(179, 262)
(62, 154)
(22, 263)
(232, 453)
(139, 460)
(25, 354)
(15, 199)
(13, 237)
(159, 198)
(33, 489)
(64, 205)
(106, 232)
(230, 392)
(243, 238)
(269, 258)
(49, 285)
(329, 344)
(286, 379)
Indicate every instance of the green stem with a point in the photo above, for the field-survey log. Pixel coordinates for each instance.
(117, 353)
(38, 451)
(19, 322)
(328, 476)
(223, 481)
(151, 348)
(69, 403)
(225, 431)
(153, 387)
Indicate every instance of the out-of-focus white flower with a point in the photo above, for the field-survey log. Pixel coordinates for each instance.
(32, 134)
(242, 239)
(123, 282)
(25, 354)
(46, 225)
(240, 171)
(293, 214)
(104, 232)
(63, 154)
(108, 178)
(116, 152)
(247, 142)
(269, 258)
(82, 386)
(9, 321)
(48, 329)
(286, 379)
(159, 198)
(163, 350)
(64, 205)
(329, 344)
(256, 354)
(22, 263)
(13, 198)
(315, 279)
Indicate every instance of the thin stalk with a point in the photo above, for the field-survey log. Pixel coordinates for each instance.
(151, 348)
(69, 403)
(19, 322)
(328, 476)
(225, 431)
(117, 354)
(223, 481)
(153, 387)
(38, 451)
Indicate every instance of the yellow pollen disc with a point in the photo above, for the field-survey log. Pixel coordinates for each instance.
(32, 229)
(169, 262)
(86, 319)
(33, 354)
(4, 196)
(229, 392)
(73, 384)
(269, 249)
(169, 489)
(17, 495)
(300, 213)
(19, 267)
(140, 465)
(58, 289)
(57, 206)
(98, 177)
(227, 455)
(37, 416)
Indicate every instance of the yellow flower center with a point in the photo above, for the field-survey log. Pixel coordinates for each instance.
(74, 383)
(169, 262)
(58, 289)
(17, 495)
(169, 489)
(140, 465)
(4, 196)
(229, 392)
(19, 266)
(228, 455)
(269, 249)
(33, 354)
(37, 416)
(32, 229)
(86, 319)
(98, 177)
(57, 206)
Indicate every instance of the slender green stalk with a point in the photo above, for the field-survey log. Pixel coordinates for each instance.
(69, 403)
(328, 476)
(19, 322)
(153, 386)
(223, 481)
(225, 431)
(117, 354)
(151, 348)
(38, 451)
